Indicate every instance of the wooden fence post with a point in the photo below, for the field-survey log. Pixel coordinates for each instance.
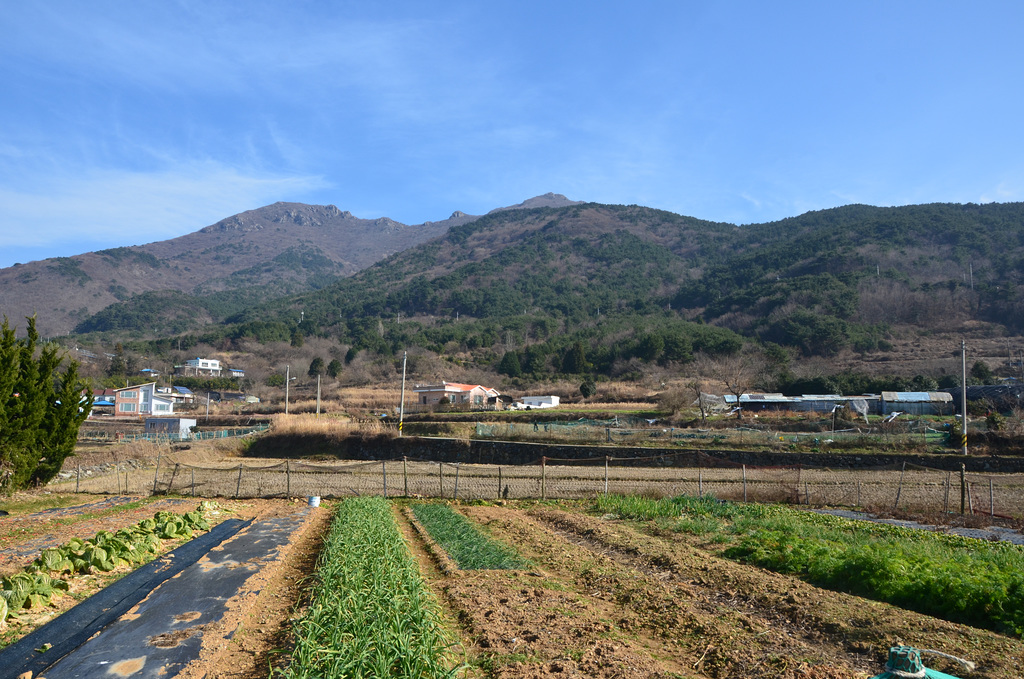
(287, 478)
(606, 458)
(963, 487)
(384, 472)
(156, 472)
(499, 483)
(440, 478)
(899, 488)
(744, 483)
(405, 474)
(238, 485)
(78, 479)
(193, 483)
(455, 495)
(945, 495)
(173, 474)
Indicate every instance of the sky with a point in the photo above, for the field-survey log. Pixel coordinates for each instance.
(124, 123)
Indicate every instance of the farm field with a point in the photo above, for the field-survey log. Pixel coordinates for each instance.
(601, 596)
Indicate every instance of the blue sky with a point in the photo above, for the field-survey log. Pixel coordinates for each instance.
(125, 123)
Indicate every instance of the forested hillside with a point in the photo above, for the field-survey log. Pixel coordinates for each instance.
(592, 288)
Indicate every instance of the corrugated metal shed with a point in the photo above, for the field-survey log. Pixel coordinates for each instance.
(917, 402)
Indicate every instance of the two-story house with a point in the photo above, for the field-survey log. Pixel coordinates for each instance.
(140, 400)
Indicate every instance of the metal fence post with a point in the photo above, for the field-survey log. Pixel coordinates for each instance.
(193, 483)
(78, 479)
(499, 483)
(384, 475)
(543, 477)
(440, 478)
(606, 458)
(455, 496)
(287, 478)
(744, 483)
(238, 485)
(991, 499)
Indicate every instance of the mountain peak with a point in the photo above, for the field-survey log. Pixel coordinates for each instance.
(547, 200)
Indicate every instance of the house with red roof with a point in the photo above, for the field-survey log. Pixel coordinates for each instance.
(473, 395)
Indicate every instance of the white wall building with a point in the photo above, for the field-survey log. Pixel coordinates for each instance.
(540, 401)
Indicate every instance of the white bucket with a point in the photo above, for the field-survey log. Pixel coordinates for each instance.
(314, 500)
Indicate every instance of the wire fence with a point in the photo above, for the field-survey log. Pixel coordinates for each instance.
(905, 487)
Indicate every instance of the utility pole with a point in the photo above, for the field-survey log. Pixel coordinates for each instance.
(401, 405)
(287, 380)
(963, 395)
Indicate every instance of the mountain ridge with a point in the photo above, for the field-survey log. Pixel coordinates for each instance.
(278, 249)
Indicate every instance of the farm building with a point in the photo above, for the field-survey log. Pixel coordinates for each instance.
(175, 426)
(540, 401)
(916, 402)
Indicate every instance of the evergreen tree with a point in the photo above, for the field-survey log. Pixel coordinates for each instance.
(588, 388)
(575, 360)
(334, 368)
(316, 367)
(509, 365)
(40, 410)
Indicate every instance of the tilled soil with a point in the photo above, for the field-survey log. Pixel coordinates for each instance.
(606, 599)
(609, 600)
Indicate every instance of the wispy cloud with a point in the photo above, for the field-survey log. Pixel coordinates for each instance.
(123, 207)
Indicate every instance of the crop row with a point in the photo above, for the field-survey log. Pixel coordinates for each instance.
(463, 541)
(946, 576)
(34, 587)
(370, 614)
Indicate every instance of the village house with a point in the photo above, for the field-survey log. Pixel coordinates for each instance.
(199, 367)
(474, 395)
(141, 399)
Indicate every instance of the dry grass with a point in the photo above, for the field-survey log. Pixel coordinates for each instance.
(329, 425)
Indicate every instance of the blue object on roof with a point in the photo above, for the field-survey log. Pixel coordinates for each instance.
(183, 390)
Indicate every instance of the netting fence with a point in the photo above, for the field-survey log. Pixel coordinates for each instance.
(164, 437)
(905, 487)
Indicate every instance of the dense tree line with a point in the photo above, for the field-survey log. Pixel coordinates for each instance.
(41, 408)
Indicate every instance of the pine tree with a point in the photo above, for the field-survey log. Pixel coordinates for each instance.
(509, 365)
(40, 410)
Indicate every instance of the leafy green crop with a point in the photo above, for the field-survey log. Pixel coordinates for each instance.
(104, 552)
(466, 545)
(946, 576)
